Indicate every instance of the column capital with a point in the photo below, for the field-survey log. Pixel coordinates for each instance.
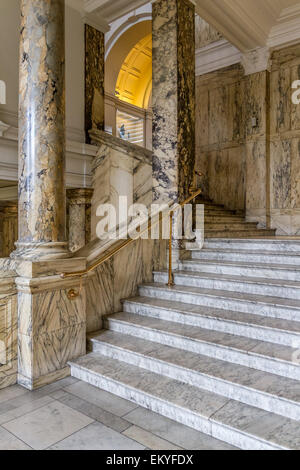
(80, 196)
(257, 60)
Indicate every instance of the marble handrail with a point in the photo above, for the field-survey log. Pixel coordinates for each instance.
(140, 153)
(113, 247)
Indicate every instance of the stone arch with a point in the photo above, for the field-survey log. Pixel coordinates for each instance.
(120, 50)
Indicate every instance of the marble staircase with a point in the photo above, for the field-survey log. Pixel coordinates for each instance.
(225, 223)
(219, 352)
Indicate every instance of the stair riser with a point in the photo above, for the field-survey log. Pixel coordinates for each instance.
(228, 226)
(254, 245)
(229, 435)
(211, 219)
(241, 287)
(216, 301)
(211, 384)
(246, 257)
(238, 233)
(206, 349)
(271, 273)
(255, 332)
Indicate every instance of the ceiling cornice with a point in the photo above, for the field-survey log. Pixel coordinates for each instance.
(250, 25)
(112, 10)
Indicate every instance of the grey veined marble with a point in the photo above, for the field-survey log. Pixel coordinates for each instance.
(173, 98)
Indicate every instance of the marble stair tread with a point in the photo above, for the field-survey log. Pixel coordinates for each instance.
(212, 413)
(243, 264)
(195, 334)
(269, 384)
(231, 277)
(289, 254)
(189, 311)
(259, 300)
(281, 288)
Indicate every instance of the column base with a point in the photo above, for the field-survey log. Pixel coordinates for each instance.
(33, 384)
(41, 251)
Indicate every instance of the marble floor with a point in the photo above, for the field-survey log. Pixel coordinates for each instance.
(72, 415)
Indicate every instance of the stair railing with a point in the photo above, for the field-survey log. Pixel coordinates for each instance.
(72, 294)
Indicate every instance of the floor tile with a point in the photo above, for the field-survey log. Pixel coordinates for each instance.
(96, 436)
(10, 442)
(148, 439)
(24, 408)
(106, 401)
(11, 392)
(47, 425)
(94, 412)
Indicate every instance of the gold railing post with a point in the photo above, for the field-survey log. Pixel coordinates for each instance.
(171, 277)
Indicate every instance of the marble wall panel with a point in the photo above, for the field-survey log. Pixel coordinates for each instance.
(100, 297)
(220, 136)
(256, 179)
(8, 334)
(280, 174)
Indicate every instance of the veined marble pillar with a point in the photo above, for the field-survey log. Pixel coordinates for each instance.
(173, 104)
(79, 209)
(42, 198)
(94, 80)
(9, 228)
(173, 98)
(51, 325)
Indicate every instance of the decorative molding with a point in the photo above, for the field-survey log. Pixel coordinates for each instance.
(3, 128)
(255, 24)
(121, 29)
(285, 33)
(9, 193)
(215, 56)
(256, 61)
(96, 22)
(112, 10)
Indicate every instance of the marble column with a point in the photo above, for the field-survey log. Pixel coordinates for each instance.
(173, 104)
(9, 228)
(173, 99)
(79, 217)
(51, 324)
(42, 198)
(94, 80)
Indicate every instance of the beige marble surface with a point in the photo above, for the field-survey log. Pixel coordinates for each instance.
(8, 326)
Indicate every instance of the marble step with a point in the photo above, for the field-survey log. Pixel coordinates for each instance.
(245, 285)
(210, 218)
(261, 355)
(273, 245)
(240, 268)
(258, 327)
(239, 233)
(240, 425)
(232, 225)
(251, 256)
(287, 309)
(266, 391)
